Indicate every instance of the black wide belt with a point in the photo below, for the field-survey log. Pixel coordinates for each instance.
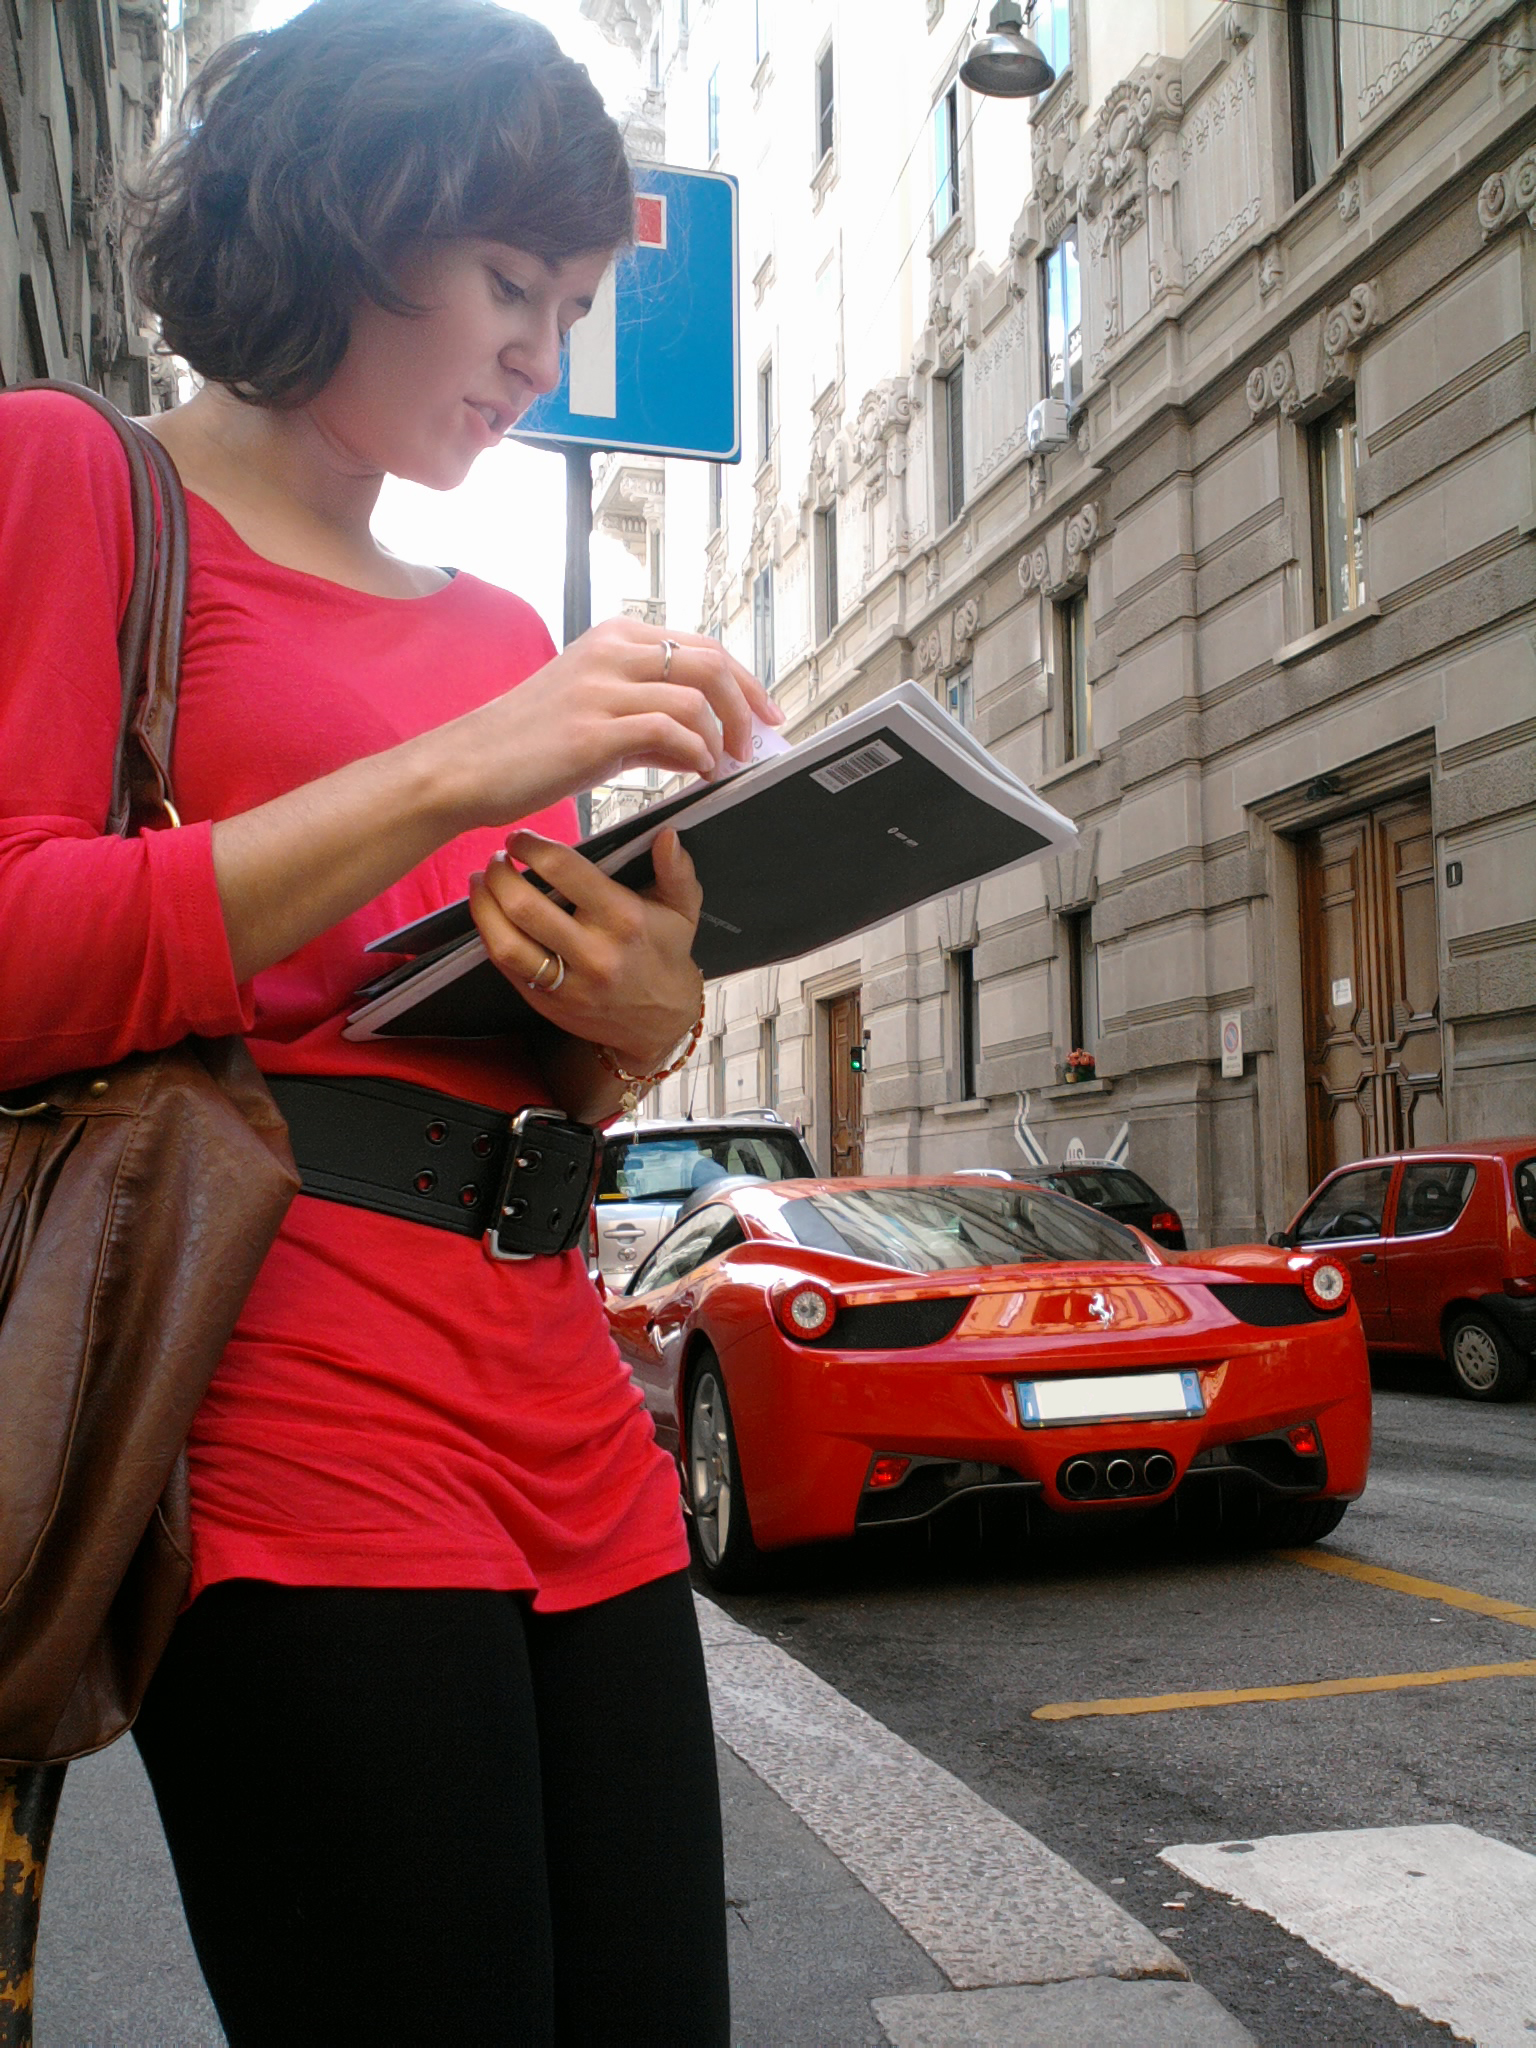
(524, 1183)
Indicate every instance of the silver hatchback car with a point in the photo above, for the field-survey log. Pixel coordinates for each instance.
(653, 1164)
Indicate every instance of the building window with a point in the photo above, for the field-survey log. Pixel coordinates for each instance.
(951, 431)
(765, 411)
(1062, 299)
(824, 103)
(770, 1062)
(1317, 91)
(656, 59)
(717, 1074)
(967, 1032)
(712, 107)
(716, 496)
(957, 696)
(1050, 24)
(946, 160)
(1082, 981)
(762, 626)
(1338, 551)
(825, 538)
(759, 45)
(1073, 633)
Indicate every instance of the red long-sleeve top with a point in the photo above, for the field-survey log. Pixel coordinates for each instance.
(395, 1409)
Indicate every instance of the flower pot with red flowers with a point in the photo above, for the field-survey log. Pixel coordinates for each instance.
(1079, 1065)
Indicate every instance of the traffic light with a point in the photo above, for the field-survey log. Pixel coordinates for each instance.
(856, 1055)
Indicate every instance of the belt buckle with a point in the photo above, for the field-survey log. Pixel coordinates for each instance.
(527, 1161)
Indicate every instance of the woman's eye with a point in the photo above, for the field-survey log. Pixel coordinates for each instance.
(508, 290)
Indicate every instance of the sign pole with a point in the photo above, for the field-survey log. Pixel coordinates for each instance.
(578, 569)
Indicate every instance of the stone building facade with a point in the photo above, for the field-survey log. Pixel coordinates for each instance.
(1256, 610)
(85, 88)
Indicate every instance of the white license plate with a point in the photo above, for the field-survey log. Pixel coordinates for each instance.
(1111, 1397)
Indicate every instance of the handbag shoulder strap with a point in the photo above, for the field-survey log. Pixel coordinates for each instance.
(149, 635)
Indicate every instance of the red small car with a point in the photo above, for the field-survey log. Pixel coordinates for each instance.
(830, 1356)
(1441, 1250)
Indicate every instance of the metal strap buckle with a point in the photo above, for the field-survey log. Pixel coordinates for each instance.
(538, 1167)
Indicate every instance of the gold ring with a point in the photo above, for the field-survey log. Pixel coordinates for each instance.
(547, 988)
(669, 648)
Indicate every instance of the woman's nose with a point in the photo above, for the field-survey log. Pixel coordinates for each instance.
(539, 358)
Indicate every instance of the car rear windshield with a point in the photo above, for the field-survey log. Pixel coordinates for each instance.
(1105, 1187)
(668, 1169)
(925, 1230)
(1525, 1193)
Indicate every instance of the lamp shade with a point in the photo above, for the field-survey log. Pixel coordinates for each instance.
(1004, 63)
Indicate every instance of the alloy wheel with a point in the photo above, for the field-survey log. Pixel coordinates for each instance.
(1475, 1356)
(710, 1478)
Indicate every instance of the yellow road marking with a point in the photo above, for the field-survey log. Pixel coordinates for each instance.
(1323, 1689)
(1420, 1589)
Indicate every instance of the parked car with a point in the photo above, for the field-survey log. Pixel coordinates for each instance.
(1105, 1186)
(651, 1165)
(829, 1356)
(1441, 1250)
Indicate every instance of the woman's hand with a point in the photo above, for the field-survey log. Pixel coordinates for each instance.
(630, 983)
(613, 700)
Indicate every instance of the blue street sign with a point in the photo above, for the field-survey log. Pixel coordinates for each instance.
(655, 366)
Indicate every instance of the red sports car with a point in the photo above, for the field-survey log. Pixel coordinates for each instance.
(829, 1356)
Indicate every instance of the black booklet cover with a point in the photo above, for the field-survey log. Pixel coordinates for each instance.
(892, 805)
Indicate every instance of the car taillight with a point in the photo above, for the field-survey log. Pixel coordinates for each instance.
(1326, 1285)
(886, 1469)
(804, 1310)
(1165, 1220)
(1303, 1440)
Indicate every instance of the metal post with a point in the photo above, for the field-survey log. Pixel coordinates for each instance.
(29, 1801)
(578, 569)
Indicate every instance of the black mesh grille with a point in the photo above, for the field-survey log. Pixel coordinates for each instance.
(1269, 1304)
(895, 1325)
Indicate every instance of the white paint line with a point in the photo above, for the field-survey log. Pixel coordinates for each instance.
(1099, 2010)
(594, 356)
(1440, 1918)
(987, 1901)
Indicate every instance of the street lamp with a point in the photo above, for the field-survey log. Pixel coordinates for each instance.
(1004, 63)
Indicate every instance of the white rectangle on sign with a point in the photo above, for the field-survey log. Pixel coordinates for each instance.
(1343, 991)
(1108, 1397)
(1231, 1045)
(594, 356)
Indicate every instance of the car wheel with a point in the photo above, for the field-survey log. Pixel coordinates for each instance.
(722, 1525)
(1286, 1524)
(1486, 1365)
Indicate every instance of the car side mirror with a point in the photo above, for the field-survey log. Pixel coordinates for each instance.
(1282, 1238)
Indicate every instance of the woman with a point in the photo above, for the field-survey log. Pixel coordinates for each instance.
(431, 1742)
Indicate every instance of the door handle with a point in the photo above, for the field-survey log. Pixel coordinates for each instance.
(1367, 1258)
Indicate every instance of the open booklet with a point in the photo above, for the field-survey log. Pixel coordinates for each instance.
(892, 805)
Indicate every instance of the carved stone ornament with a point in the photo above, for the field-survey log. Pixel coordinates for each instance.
(1509, 196)
(1082, 532)
(1034, 570)
(962, 628)
(1039, 477)
(1345, 326)
(930, 651)
(1271, 270)
(1349, 199)
(1274, 385)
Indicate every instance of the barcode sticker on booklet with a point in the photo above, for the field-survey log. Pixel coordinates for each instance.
(854, 767)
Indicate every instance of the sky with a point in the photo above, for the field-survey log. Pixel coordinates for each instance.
(506, 523)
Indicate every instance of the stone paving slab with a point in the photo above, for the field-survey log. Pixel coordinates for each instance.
(987, 1901)
(1105, 2012)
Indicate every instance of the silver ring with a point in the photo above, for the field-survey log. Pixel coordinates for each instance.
(547, 988)
(669, 648)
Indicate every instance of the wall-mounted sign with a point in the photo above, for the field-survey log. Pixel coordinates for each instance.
(1231, 1044)
(1343, 992)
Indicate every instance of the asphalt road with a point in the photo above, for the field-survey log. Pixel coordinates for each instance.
(954, 1645)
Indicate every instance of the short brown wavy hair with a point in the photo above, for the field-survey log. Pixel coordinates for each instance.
(314, 155)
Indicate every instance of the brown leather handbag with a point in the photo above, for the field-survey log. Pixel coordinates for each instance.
(136, 1204)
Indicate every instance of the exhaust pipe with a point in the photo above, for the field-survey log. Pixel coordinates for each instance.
(1159, 1471)
(1119, 1475)
(1080, 1479)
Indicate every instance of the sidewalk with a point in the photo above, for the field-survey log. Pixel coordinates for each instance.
(876, 1902)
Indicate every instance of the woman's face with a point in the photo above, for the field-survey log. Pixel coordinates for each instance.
(421, 395)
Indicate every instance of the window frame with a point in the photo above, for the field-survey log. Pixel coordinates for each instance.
(1352, 553)
(1305, 174)
(762, 625)
(1052, 261)
(765, 398)
(712, 114)
(951, 454)
(1074, 636)
(1336, 1180)
(824, 570)
(967, 1010)
(1083, 1021)
(960, 682)
(824, 101)
(716, 497)
(946, 158)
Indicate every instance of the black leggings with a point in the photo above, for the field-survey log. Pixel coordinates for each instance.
(437, 1817)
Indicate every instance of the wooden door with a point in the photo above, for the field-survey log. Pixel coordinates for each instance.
(1370, 986)
(845, 1032)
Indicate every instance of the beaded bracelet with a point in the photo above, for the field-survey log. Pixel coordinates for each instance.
(636, 1085)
